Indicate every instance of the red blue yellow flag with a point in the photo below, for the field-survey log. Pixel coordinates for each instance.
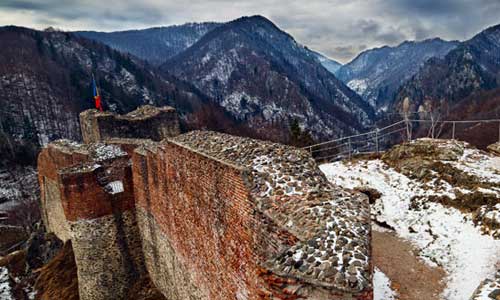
(97, 97)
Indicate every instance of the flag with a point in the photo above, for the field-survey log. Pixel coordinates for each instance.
(97, 97)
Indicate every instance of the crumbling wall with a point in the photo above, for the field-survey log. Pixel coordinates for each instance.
(147, 122)
(207, 215)
(50, 160)
(204, 237)
(97, 211)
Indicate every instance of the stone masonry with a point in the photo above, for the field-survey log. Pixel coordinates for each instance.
(88, 198)
(207, 215)
(147, 122)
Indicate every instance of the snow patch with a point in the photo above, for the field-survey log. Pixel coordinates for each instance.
(382, 286)
(444, 235)
(358, 85)
(115, 187)
(5, 289)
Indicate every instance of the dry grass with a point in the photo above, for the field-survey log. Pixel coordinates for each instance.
(143, 289)
(15, 262)
(10, 237)
(58, 279)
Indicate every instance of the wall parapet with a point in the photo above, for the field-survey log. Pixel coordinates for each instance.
(146, 122)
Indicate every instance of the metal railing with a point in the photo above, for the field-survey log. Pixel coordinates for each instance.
(381, 139)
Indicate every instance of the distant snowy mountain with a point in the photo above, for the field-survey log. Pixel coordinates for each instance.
(263, 77)
(472, 67)
(154, 45)
(330, 64)
(464, 85)
(377, 74)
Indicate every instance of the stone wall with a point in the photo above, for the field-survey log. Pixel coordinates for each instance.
(147, 122)
(206, 215)
(92, 187)
(52, 159)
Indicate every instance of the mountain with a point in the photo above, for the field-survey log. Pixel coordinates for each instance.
(45, 82)
(464, 85)
(154, 45)
(331, 65)
(377, 74)
(472, 67)
(264, 78)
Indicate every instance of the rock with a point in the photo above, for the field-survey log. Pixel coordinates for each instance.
(495, 294)
(339, 278)
(494, 148)
(426, 148)
(42, 247)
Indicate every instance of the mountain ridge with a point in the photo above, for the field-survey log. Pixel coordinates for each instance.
(45, 81)
(377, 73)
(472, 66)
(155, 44)
(236, 63)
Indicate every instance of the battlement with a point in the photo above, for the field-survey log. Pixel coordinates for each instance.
(147, 122)
(207, 216)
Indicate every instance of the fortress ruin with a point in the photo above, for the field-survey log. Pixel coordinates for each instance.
(205, 215)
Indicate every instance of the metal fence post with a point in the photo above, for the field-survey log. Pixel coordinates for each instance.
(349, 145)
(453, 131)
(376, 140)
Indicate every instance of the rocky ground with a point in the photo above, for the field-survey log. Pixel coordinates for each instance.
(19, 194)
(441, 196)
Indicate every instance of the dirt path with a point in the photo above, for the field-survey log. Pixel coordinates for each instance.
(411, 277)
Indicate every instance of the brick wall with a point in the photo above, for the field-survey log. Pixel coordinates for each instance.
(203, 237)
(202, 208)
(50, 161)
(79, 203)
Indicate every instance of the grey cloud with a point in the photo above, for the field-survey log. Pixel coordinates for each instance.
(338, 28)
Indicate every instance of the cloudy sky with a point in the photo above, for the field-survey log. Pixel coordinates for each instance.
(338, 28)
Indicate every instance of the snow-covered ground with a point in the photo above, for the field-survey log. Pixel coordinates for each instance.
(488, 289)
(382, 287)
(14, 184)
(444, 235)
(5, 289)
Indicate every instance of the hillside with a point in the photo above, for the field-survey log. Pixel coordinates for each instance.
(471, 68)
(155, 45)
(263, 77)
(45, 81)
(376, 74)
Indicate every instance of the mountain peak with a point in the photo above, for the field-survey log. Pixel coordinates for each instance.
(376, 74)
(257, 72)
(253, 19)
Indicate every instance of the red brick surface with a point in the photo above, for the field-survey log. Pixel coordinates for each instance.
(204, 208)
(82, 192)
(202, 205)
(84, 198)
